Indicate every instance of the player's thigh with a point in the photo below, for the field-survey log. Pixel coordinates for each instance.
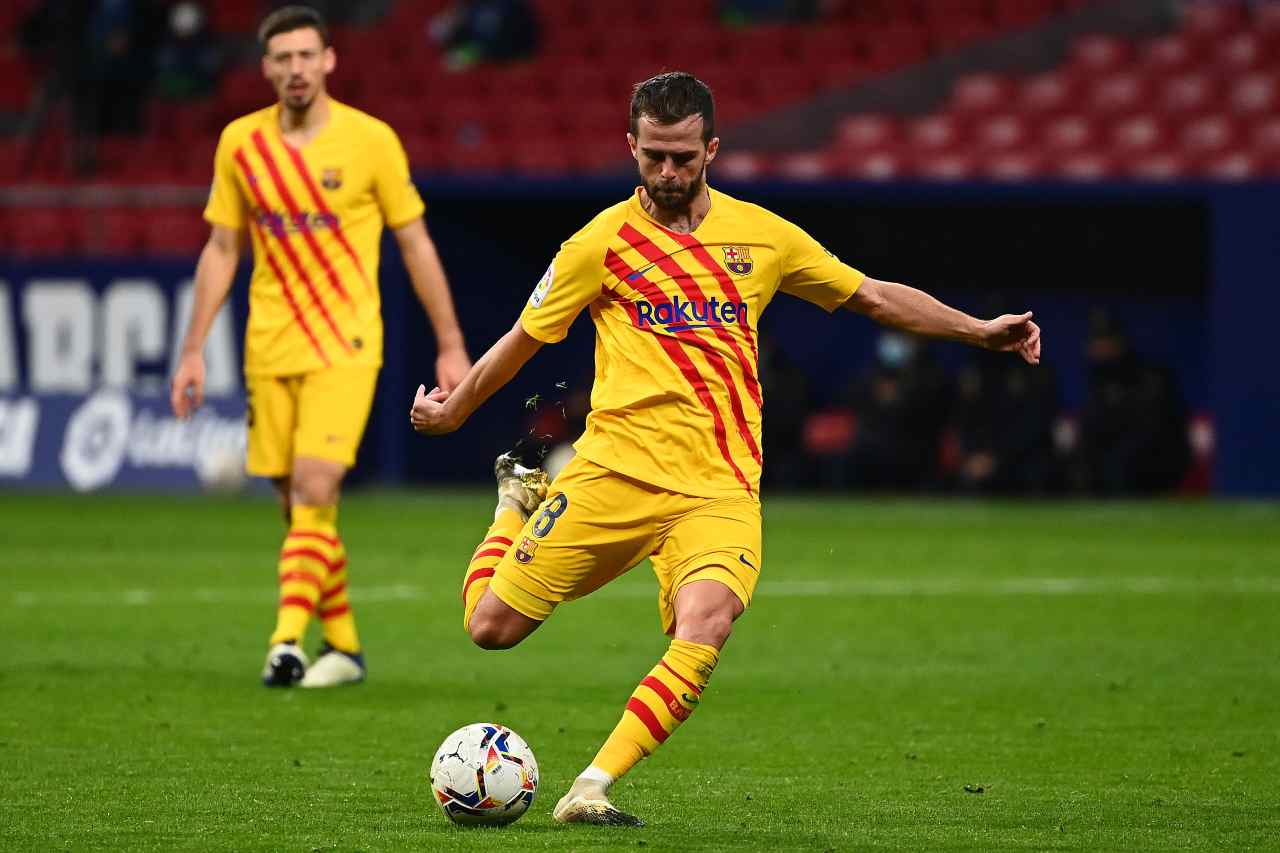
(712, 539)
(593, 526)
(272, 419)
(333, 409)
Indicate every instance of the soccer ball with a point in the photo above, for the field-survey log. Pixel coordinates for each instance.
(484, 774)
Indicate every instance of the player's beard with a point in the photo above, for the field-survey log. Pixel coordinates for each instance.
(672, 198)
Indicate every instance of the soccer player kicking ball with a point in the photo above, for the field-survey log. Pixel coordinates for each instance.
(675, 278)
(313, 181)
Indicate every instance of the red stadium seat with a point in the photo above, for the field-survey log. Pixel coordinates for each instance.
(741, 166)
(1099, 54)
(1084, 166)
(1169, 54)
(1013, 166)
(981, 94)
(1001, 133)
(1211, 134)
(45, 232)
(934, 133)
(1264, 137)
(1047, 93)
(1235, 166)
(1213, 20)
(1256, 94)
(805, 166)
(1193, 92)
(866, 132)
(875, 166)
(115, 231)
(946, 166)
(1159, 166)
(1139, 134)
(1241, 53)
(1069, 133)
(1115, 94)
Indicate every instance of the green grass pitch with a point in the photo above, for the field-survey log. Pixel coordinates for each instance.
(912, 676)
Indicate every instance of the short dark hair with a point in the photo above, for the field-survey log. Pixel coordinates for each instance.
(286, 19)
(672, 97)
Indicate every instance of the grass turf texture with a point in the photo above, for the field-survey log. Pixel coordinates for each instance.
(1106, 675)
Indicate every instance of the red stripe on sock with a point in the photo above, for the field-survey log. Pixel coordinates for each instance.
(332, 541)
(335, 612)
(333, 593)
(680, 712)
(472, 578)
(313, 554)
(301, 577)
(697, 691)
(646, 716)
(298, 601)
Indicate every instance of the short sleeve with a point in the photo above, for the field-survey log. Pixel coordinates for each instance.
(814, 274)
(226, 202)
(571, 283)
(398, 198)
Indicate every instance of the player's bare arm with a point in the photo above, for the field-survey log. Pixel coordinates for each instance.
(441, 411)
(915, 311)
(215, 272)
(429, 283)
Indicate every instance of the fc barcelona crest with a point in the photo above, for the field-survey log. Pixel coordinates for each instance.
(331, 179)
(525, 550)
(738, 259)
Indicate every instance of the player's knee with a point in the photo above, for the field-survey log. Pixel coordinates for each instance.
(494, 633)
(710, 627)
(313, 489)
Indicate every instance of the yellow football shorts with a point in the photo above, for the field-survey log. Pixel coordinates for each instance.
(321, 414)
(596, 524)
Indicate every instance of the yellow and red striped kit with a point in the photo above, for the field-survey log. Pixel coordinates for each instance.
(677, 401)
(315, 215)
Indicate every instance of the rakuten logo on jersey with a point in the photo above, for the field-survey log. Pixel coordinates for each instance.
(680, 315)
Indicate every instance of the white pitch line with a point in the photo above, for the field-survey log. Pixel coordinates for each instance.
(852, 588)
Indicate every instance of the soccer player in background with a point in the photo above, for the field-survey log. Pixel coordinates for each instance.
(313, 182)
(675, 279)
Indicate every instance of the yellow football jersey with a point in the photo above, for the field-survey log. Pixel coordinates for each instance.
(677, 401)
(315, 215)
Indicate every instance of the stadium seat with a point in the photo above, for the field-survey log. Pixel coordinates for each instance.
(115, 231)
(1139, 134)
(174, 231)
(1264, 137)
(741, 166)
(1069, 133)
(869, 131)
(1211, 134)
(1241, 53)
(874, 166)
(1119, 93)
(981, 94)
(1159, 166)
(1255, 94)
(1047, 93)
(1084, 166)
(805, 166)
(1170, 54)
(1189, 93)
(1098, 54)
(946, 166)
(1214, 19)
(934, 133)
(1013, 165)
(1001, 132)
(1235, 166)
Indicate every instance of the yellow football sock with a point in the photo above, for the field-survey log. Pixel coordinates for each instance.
(497, 541)
(663, 700)
(310, 553)
(335, 607)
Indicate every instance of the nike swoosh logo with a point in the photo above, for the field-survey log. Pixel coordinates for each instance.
(743, 559)
(689, 700)
(635, 275)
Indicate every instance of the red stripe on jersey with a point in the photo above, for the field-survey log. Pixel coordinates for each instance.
(671, 346)
(489, 552)
(300, 577)
(703, 257)
(696, 690)
(647, 717)
(297, 601)
(472, 578)
(318, 200)
(690, 287)
(313, 554)
(335, 612)
(668, 265)
(299, 217)
(332, 541)
(501, 540)
(288, 295)
(335, 592)
(282, 237)
(680, 712)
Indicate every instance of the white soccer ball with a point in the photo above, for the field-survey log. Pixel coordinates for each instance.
(484, 774)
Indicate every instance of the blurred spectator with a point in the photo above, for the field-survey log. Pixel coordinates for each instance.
(188, 60)
(1133, 430)
(745, 12)
(786, 390)
(1003, 424)
(485, 31)
(901, 405)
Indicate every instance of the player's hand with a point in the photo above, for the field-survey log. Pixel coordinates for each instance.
(186, 394)
(451, 366)
(1013, 333)
(428, 413)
